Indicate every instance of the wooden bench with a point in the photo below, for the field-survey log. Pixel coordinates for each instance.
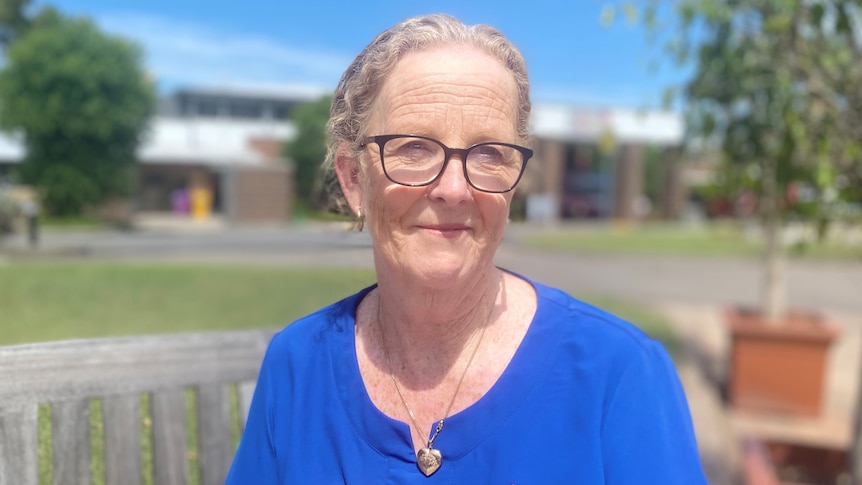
(216, 369)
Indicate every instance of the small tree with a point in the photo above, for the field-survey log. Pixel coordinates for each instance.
(308, 149)
(776, 86)
(82, 101)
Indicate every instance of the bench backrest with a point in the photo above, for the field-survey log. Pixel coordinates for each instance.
(216, 371)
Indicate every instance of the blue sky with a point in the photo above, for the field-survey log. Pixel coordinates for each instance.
(571, 56)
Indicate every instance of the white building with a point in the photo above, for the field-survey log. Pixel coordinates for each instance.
(588, 163)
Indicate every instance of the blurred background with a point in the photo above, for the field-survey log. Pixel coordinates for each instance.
(698, 170)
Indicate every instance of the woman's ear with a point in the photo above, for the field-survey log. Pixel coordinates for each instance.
(348, 170)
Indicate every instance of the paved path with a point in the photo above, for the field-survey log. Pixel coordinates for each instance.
(834, 286)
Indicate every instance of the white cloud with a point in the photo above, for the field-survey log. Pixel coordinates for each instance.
(180, 53)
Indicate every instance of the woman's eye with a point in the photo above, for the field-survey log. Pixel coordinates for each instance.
(488, 151)
(487, 154)
(415, 149)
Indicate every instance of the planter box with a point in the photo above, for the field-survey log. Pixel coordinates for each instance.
(778, 367)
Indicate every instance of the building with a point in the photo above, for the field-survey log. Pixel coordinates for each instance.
(597, 162)
(211, 153)
(217, 152)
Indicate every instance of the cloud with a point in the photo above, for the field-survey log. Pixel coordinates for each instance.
(179, 53)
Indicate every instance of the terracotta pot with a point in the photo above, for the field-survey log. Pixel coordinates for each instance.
(778, 366)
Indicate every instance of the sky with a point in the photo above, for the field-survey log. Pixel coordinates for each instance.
(572, 57)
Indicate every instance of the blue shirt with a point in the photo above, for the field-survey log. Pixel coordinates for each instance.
(586, 399)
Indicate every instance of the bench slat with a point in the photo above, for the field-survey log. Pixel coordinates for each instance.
(19, 444)
(122, 421)
(169, 437)
(214, 426)
(56, 371)
(70, 424)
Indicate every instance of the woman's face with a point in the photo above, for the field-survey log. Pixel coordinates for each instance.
(447, 231)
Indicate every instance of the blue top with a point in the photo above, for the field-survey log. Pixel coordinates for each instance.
(587, 399)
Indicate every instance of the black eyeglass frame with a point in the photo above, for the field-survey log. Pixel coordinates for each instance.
(381, 140)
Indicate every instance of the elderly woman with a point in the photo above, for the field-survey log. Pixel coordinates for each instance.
(449, 369)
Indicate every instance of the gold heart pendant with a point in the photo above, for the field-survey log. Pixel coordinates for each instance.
(429, 460)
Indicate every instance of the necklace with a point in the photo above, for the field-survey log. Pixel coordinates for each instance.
(429, 459)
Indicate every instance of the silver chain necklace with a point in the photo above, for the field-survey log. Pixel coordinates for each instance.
(429, 459)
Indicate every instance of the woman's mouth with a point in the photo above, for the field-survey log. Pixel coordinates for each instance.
(445, 230)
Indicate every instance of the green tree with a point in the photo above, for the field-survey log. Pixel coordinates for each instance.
(81, 101)
(308, 149)
(776, 88)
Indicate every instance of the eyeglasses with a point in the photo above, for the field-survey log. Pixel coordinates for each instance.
(416, 161)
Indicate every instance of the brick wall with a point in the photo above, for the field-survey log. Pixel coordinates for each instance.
(261, 195)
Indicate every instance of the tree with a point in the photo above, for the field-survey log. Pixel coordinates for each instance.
(82, 102)
(775, 87)
(308, 149)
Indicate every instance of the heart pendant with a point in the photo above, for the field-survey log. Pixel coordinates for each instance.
(429, 460)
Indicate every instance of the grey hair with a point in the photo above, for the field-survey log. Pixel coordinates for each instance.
(361, 82)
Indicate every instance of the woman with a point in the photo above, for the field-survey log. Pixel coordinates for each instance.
(450, 370)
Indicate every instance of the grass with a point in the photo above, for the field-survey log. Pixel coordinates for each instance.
(55, 301)
(49, 301)
(52, 301)
(714, 240)
(72, 222)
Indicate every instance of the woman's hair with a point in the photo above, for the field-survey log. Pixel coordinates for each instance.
(361, 82)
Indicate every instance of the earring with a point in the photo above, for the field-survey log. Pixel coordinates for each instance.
(360, 219)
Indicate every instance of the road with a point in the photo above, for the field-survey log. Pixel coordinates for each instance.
(711, 281)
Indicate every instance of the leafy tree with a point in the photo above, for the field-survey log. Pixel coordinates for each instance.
(308, 149)
(776, 88)
(81, 101)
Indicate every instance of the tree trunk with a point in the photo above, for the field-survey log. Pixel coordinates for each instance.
(774, 284)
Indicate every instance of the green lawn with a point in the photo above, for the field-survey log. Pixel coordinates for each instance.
(715, 240)
(53, 301)
(61, 223)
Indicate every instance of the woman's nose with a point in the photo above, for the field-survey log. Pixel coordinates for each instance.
(452, 185)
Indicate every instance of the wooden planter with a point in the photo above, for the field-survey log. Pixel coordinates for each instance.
(778, 367)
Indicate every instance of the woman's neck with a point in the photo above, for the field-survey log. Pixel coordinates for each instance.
(426, 331)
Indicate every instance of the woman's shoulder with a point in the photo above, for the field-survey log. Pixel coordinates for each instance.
(603, 346)
(592, 326)
(310, 329)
